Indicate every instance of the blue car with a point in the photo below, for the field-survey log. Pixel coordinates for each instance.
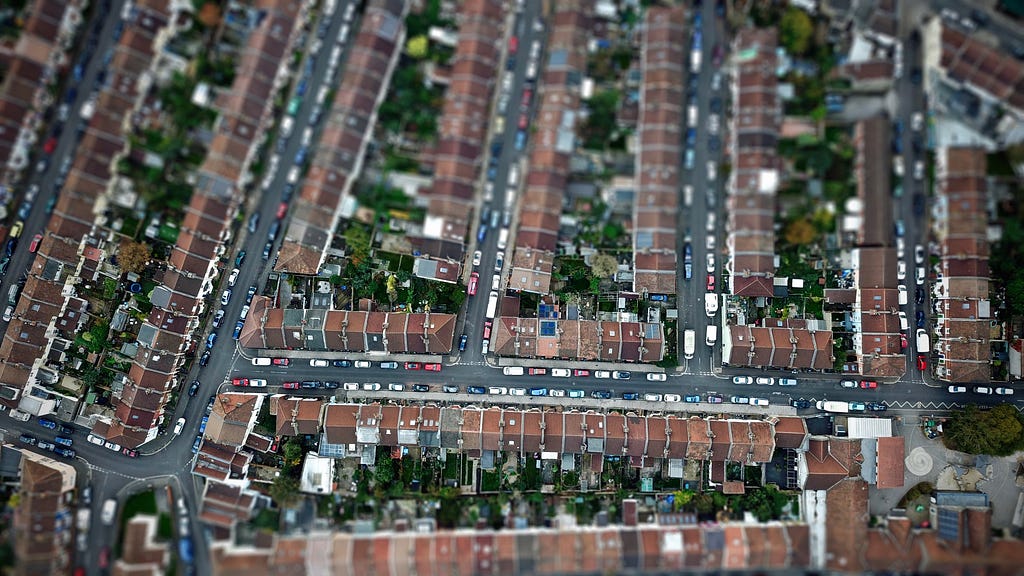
(475, 390)
(482, 233)
(238, 330)
(47, 423)
(692, 399)
(185, 550)
(210, 341)
(462, 342)
(64, 441)
(195, 445)
(202, 425)
(520, 140)
(538, 391)
(65, 452)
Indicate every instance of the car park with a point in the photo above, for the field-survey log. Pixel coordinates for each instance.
(656, 377)
(956, 389)
(742, 380)
(764, 380)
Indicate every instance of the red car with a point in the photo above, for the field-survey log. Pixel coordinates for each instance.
(581, 373)
(922, 363)
(523, 121)
(513, 45)
(474, 280)
(104, 557)
(412, 365)
(432, 367)
(273, 447)
(130, 453)
(711, 282)
(903, 341)
(35, 243)
(282, 209)
(487, 330)
(868, 384)
(239, 381)
(290, 385)
(281, 361)
(527, 94)
(538, 371)
(50, 145)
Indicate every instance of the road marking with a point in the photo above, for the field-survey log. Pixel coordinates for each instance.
(108, 471)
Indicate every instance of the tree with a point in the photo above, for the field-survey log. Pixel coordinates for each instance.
(417, 47)
(284, 490)
(292, 452)
(357, 240)
(604, 265)
(795, 31)
(1015, 295)
(384, 473)
(133, 256)
(799, 232)
(995, 432)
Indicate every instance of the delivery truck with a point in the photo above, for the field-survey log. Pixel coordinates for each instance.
(689, 343)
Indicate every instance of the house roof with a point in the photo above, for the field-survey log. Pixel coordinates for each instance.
(890, 463)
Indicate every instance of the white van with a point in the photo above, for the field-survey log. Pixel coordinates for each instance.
(19, 415)
(502, 236)
(711, 336)
(512, 371)
(261, 361)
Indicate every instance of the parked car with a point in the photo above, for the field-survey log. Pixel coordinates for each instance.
(868, 384)
(739, 400)
(630, 396)
(193, 389)
(742, 380)
(982, 390)
(877, 406)
(764, 380)
(389, 365)
(956, 389)
(319, 363)
(602, 374)
(848, 383)
(475, 390)
(420, 388)
(581, 373)
(436, 367)
(341, 364)
(601, 394)
(1004, 391)
(922, 362)
(657, 377)
(280, 361)
(801, 404)
(621, 375)
(362, 364)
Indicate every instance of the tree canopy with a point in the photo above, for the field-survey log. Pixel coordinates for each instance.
(996, 432)
(795, 31)
(133, 256)
(604, 265)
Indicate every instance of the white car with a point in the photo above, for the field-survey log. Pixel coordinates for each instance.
(556, 393)
(396, 387)
(293, 175)
(656, 377)
(94, 439)
(517, 391)
(765, 381)
(476, 258)
(848, 383)
(498, 390)
(653, 397)
(371, 386)
(982, 390)
(957, 389)
(919, 254)
(233, 278)
(560, 372)
(8, 313)
(225, 297)
(758, 401)
(742, 380)
(713, 124)
(350, 386)
(710, 263)
(919, 277)
(362, 364)
(319, 363)
(901, 247)
(602, 374)
(112, 446)
(673, 398)
(919, 170)
(712, 170)
(1004, 391)
(901, 270)
(179, 426)
(257, 383)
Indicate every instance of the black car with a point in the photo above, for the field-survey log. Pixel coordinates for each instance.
(209, 404)
(250, 293)
(65, 452)
(310, 384)
(450, 389)
(205, 358)
(920, 318)
(66, 430)
(193, 389)
(801, 404)
(601, 394)
(919, 295)
(919, 204)
(915, 76)
(12, 244)
(267, 248)
(420, 388)
(877, 406)
(341, 363)
(332, 385)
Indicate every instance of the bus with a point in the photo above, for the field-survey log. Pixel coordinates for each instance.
(492, 305)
